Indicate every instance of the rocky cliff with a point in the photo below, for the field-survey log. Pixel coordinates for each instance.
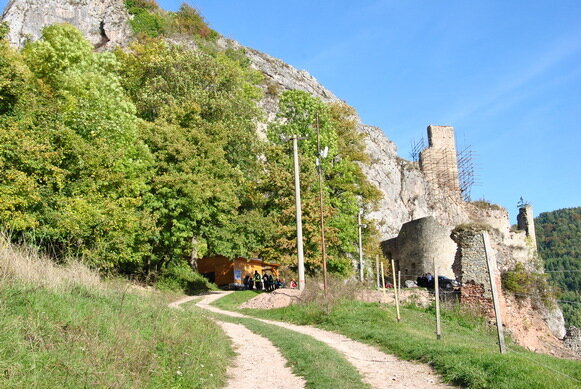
(103, 22)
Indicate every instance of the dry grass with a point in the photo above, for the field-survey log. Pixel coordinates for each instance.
(27, 266)
(338, 290)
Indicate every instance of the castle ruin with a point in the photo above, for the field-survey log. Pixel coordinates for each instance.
(438, 161)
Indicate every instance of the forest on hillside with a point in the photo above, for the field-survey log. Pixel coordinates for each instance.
(139, 160)
(559, 242)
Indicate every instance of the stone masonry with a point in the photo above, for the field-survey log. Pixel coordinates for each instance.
(420, 243)
(471, 269)
(526, 222)
(438, 161)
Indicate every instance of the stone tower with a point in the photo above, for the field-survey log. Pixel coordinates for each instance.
(526, 222)
(438, 161)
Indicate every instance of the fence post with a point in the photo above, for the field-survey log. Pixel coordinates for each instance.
(395, 291)
(495, 301)
(383, 283)
(398, 282)
(437, 292)
(377, 271)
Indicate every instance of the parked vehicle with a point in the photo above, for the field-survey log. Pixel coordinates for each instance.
(444, 282)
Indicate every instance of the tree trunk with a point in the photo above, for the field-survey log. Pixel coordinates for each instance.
(193, 260)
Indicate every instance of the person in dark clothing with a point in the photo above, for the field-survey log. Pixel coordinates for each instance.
(257, 280)
(270, 283)
(246, 281)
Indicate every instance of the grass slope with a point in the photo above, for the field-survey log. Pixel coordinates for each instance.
(467, 355)
(83, 338)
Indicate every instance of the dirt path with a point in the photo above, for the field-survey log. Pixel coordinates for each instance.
(253, 354)
(378, 369)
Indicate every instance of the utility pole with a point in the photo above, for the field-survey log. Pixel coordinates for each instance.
(360, 247)
(437, 292)
(320, 157)
(301, 259)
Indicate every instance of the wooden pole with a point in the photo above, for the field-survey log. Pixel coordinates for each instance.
(495, 301)
(399, 282)
(377, 272)
(320, 169)
(395, 290)
(437, 292)
(383, 283)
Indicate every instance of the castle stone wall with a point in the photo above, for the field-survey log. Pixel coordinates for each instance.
(471, 269)
(420, 243)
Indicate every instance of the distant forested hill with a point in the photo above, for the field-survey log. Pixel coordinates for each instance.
(559, 241)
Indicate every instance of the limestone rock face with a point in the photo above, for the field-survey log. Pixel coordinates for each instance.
(404, 188)
(103, 22)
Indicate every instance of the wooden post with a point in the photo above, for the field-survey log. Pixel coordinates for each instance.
(491, 267)
(383, 283)
(377, 272)
(437, 292)
(395, 291)
(398, 282)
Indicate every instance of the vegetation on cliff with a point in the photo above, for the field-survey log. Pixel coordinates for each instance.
(559, 241)
(138, 161)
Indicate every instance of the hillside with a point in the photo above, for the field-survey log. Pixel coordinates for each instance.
(559, 242)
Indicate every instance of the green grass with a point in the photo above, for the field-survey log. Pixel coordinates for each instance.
(84, 338)
(321, 366)
(467, 355)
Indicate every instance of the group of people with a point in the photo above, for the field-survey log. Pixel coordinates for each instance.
(265, 282)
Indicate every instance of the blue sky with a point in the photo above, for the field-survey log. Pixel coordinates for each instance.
(506, 74)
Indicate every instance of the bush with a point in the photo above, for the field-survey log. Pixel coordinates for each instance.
(151, 21)
(181, 278)
(527, 284)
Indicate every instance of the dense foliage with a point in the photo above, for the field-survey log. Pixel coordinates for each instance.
(140, 161)
(559, 241)
(149, 20)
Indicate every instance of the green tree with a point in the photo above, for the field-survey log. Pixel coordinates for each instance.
(73, 164)
(559, 242)
(199, 113)
(345, 188)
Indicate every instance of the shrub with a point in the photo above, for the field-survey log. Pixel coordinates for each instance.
(528, 284)
(485, 204)
(151, 21)
(146, 18)
(181, 278)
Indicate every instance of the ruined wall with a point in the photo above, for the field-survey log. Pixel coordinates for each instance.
(439, 161)
(526, 223)
(471, 269)
(420, 243)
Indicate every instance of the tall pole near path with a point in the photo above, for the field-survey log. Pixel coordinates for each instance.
(320, 169)
(300, 254)
(360, 247)
(437, 292)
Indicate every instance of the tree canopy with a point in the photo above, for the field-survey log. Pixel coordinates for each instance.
(142, 159)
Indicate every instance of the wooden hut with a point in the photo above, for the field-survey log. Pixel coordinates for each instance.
(224, 271)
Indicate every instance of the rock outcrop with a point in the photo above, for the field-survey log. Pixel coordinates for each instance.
(103, 22)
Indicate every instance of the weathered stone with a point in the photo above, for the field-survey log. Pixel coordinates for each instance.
(573, 340)
(526, 222)
(102, 22)
(419, 244)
